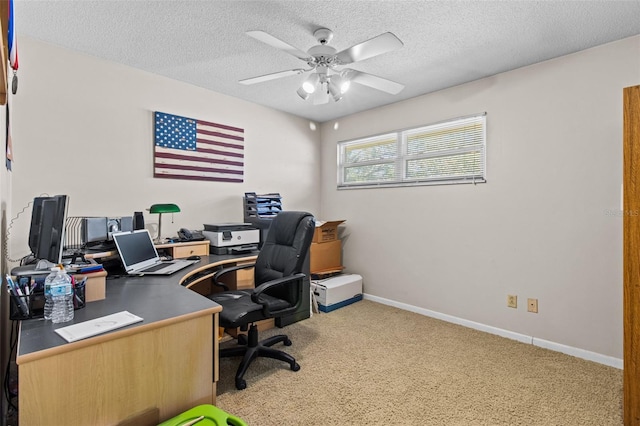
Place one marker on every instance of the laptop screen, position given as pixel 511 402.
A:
pixel 136 249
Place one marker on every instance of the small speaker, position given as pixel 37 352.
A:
pixel 126 223
pixel 94 229
pixel 138 221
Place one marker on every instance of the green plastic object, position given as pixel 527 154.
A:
pixel 204 415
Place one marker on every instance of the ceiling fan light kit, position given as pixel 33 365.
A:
pixel 327 81
pixel 303 93
pixel 338 86
pixel 335 92
pixel 309 86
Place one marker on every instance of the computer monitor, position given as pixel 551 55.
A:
pixel 46 235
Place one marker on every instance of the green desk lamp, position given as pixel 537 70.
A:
pixel 162 208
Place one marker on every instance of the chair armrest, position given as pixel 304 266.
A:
pixel 225 271
pixel 255 294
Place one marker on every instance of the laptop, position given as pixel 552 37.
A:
pixel 139 255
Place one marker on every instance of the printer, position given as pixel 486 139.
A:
pixel 232 238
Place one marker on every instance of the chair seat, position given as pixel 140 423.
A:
pixel 238 309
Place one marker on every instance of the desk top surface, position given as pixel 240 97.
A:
pixel 156 299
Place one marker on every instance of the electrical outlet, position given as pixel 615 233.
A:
pixel 512 301
pixel 532 305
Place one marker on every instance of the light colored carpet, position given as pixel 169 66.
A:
pixel 371 364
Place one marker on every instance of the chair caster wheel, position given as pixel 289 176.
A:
pixel 242 384
pixel 295 367
pixel 287 342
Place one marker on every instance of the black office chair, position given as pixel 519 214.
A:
pixel 278 290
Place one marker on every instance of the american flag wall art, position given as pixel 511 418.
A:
pixel 186 148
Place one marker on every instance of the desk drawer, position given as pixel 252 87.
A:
pixel 190 250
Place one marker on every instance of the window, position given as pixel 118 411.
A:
pixel 452 151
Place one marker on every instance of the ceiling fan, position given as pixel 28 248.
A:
pixel 327 79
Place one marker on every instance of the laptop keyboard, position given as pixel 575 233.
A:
pixel 155 267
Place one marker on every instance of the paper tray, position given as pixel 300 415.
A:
pixel 82 330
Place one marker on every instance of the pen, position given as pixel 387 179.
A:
pixel 192 422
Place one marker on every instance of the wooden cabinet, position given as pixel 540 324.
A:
pixel 141 374
pixel 631 259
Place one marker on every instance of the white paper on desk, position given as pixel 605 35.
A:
pixel 96 326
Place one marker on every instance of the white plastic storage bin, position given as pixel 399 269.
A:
pixel 336 292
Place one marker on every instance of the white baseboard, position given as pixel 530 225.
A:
pixel 580 353
pixel 558 347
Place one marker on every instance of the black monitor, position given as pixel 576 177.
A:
pixel 46 235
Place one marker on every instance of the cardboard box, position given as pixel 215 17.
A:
pixel 326 231
pixel 336 292
pixel 325 256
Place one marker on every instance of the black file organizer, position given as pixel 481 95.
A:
pixel 263 206
pixel 259 210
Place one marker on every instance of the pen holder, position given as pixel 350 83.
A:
pixel 26 306
pixel 32 305
pixel 79 294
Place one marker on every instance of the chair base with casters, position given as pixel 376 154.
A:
pixel 250 348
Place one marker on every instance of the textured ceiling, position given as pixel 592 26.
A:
pixel 446 43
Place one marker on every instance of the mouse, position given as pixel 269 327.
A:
pixel 194 257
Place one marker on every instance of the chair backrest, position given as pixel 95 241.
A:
pixel 284 250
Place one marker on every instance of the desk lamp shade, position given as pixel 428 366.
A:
pixel 162 208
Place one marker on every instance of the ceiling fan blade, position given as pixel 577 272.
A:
pixel 373 81
pixel 279 44
pixel 272 76
pixel 378 45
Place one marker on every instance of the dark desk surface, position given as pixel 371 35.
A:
pixel 152 297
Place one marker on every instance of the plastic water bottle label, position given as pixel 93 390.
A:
pixel 60 290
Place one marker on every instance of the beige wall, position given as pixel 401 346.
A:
pixel 539 228
pixel 83 127
pixel 5 203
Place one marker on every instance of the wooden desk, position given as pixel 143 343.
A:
pixel 199 279
pixel 141 374
pixel 175 250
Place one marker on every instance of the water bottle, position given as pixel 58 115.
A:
pixel 48 301
pixel 58 294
